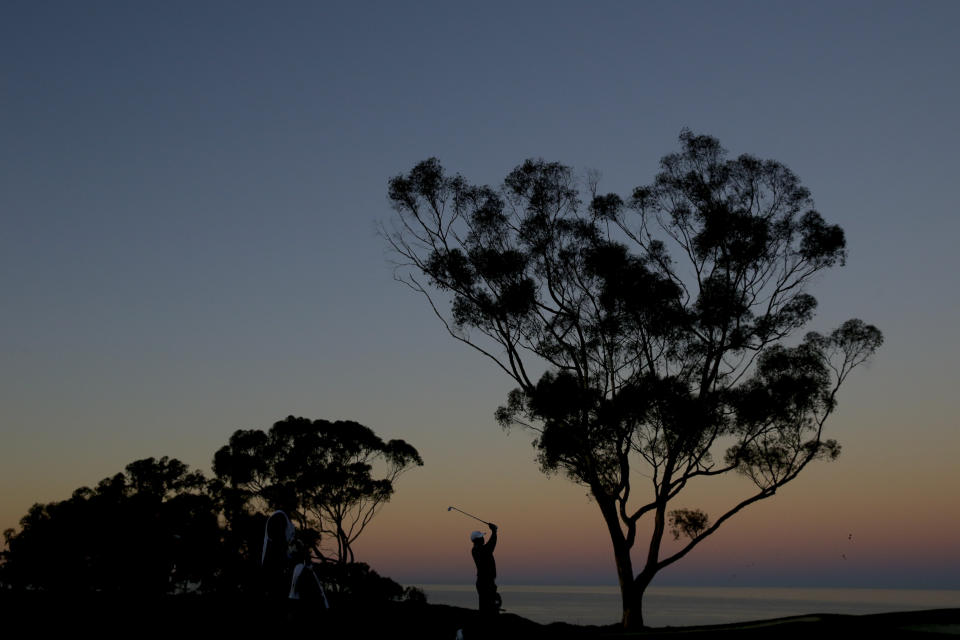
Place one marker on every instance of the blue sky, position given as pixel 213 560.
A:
pixel 188 243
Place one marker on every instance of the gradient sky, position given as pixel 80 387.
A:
pixel 188 210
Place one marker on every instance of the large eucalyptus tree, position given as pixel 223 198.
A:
pixel 667 326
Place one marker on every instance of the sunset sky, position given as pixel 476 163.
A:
pixel 188 212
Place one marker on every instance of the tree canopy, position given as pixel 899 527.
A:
pixel 330 476
pixel 667 326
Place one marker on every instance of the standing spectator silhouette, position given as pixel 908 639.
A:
pixel 486 570
pixel 276 559
pixel 306 588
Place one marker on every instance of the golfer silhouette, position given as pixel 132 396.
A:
pixel 482 552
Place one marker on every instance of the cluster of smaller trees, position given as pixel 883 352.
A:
pixel 158 527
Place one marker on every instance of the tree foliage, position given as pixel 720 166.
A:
pixel 331 476
pixel 667 325
pixel 160 528
pixel 150 529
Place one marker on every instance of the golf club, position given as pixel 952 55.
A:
pixel 467 514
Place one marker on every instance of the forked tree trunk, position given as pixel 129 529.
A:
pixel 631 598
pixel 633 613
pixel 631 588
pixel 630 595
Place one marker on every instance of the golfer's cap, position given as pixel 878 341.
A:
pixel 476 535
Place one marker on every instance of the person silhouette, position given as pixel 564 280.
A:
pixel 306 590
pixel 482 553
pixel 276 559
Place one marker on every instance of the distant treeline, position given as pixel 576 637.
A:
pixel 159 528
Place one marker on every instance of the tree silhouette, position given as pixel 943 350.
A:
pixel 331 477
pixel 666 324
pixel 150 530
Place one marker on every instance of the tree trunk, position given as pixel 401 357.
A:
pixel 629 599
pixel 638 588
pixel 632 588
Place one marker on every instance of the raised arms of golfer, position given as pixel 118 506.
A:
pixel 491 544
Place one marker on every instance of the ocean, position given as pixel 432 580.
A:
pixel 684 606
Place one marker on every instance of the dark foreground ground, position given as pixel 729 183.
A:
pixel 215 617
